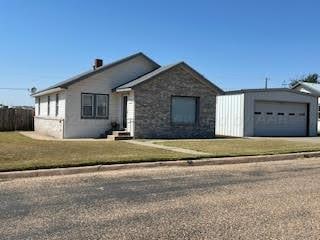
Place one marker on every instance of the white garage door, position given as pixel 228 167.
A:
pixel 280 119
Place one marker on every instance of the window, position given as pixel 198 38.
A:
pixel 319 112
pixel 38 100
pixel 87 105
pixel 291 114
pixel 101 105
pixel 57 104
pixel 48 112
pixel 269 113
pixel 94 105
pixel 184 110
pixel 302 114
pixel 257 113
pixel 281 114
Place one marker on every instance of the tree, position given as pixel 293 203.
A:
pixel 311 78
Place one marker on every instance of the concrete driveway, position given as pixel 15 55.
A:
pixel 275 200
pixel 296 139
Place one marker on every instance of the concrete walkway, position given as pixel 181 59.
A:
pixel 37 136
pixel 174 149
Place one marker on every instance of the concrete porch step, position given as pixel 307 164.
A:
pixel 116 138
pixel 121 133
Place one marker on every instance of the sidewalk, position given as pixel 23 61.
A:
pixel 37 136
pixel 175 149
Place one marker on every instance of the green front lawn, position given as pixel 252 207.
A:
pixel 244 147
pixel 18 152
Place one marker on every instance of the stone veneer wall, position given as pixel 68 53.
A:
pixel 49 127
pixel 153 106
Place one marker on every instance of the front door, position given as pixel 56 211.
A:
pixel 124 111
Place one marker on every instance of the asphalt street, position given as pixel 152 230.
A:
pixel 274 200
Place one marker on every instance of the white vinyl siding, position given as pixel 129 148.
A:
pixel 50 124
pixel 104 82
pixel 184 110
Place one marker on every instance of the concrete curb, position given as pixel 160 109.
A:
pixel 198 162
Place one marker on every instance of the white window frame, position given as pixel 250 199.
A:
pixel 57 104
pixel 39 105
pixel 95 106
pixel 48 106
pixel 82 105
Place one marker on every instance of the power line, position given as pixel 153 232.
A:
pixel 18 89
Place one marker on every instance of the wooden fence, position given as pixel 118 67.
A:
pixel 16 119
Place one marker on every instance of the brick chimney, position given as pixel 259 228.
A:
pixel 97 63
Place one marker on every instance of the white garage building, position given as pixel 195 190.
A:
pixel 266 112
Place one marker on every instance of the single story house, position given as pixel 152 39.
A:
pixel 266 112
pixel 136 94
pixel 312 88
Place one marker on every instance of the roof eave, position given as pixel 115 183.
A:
pixel 122 89
pixel 49 91
pixel 89 73
pixel 244 91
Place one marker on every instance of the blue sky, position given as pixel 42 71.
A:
pixel 235 44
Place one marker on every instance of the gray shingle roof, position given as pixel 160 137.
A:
pixel 89 73
pixel 266 90
pixel 163 69
pixel 146 77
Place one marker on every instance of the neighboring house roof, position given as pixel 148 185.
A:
pixel 148 76
pixel 314 88
pixel 267 90
pixel 87 74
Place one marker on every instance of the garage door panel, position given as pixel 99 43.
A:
pixel 280 119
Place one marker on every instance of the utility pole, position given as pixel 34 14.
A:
pixel 266 83
pixel 284 84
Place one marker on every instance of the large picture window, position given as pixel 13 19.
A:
pixel 94 105
pixel 184 110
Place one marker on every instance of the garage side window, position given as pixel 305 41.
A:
pixel 184 110
pixel 318 112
